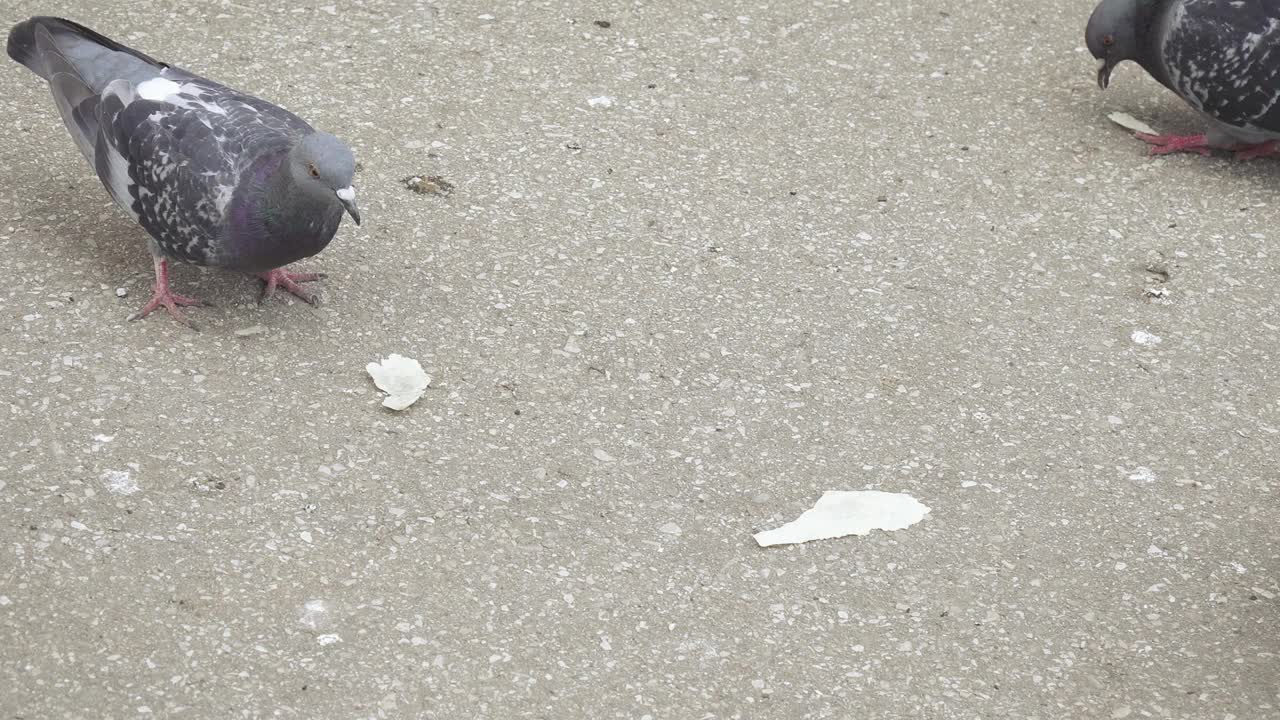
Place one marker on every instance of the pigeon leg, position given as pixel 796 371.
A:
pixel 163 297
pixel 289 281
pixel 1165 144
pixel 1262 149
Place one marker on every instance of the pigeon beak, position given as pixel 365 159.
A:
pixel 347 196
pixel 1104 73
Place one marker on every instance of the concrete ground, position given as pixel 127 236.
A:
pixel 800 247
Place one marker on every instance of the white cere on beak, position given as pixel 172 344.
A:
pixel 347 194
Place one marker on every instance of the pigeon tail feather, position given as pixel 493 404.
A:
pixel 78 106
pixel 94 57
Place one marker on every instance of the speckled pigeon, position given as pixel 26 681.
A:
pixel 216 177
pixel 1221 56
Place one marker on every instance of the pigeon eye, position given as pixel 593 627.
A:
pixel 315 173
pixel 1109 40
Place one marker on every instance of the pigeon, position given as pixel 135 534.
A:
pixel 1220 56
pixel 216 177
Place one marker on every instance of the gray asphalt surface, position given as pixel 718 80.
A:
pixel 807 246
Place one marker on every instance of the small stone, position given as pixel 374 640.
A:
pixel 1143 474
pixel 315 615
pixel 251 330
pixel 670 529
pixel 1142 337
pixel 122 292
pixel 119 482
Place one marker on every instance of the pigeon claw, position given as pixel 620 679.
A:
pixel 288 281
pixel 170 301
pixel 163 297
pixel 1166 144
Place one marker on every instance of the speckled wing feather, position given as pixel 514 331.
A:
pixel 1223 57
pixel 172 151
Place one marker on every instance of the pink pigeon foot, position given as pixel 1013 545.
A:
pixel 289 281
pixel 1165 144
pixel 163 297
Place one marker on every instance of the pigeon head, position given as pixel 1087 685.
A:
pixel 323 165
pixel 1112 34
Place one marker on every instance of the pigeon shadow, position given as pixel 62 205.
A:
pixel 84 227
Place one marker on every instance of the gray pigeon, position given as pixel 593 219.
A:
pixel 1221 56
pixel 216 177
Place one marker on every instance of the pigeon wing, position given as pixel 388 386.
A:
pixel 1223 57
